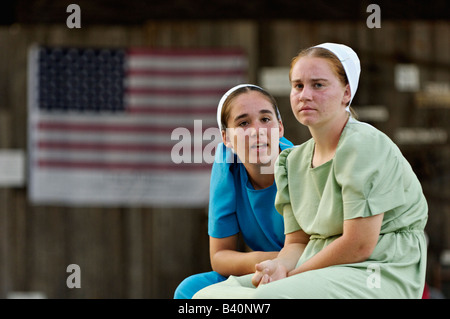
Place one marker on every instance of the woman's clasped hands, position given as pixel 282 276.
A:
pixel 268 271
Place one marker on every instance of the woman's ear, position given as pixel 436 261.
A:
pixel 281 128
pixel 347 95
pixel 226 139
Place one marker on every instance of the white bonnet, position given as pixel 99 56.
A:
pixel 350 62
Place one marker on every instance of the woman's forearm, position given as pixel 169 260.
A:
pixel 232 262
pixel 356 244
pixel 340 251
pixel 290 254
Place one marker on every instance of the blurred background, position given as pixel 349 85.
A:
pixel 57 208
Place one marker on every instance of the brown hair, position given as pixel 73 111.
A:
pixel 332 59
pixel 226 109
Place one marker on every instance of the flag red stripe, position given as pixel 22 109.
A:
pixel 121 166
pixel 176 91
pixel 171 110
pixel 181 73
pixel 81 146
pixel 114 128
pixel 183 53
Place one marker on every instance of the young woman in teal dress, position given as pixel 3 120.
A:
pixel 242 189
pixel 353 209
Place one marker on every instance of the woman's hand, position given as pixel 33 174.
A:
pixel 268 271
pixel 222 250
pixel 271 270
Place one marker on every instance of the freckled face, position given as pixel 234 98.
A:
pixel 253 129
pixel 317 96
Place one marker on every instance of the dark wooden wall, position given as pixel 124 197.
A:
pixel 144 252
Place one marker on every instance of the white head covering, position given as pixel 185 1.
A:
pixel 350 62
pixel 227 94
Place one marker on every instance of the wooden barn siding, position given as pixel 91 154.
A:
pixel 144 252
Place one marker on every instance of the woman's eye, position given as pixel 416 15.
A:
pixel 299 86
pixel 242 124
pixel 265 119
pixel 318 85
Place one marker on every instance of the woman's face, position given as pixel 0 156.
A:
pixel 253 129
pixel 317 95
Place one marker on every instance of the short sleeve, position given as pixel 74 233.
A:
pixel 369 170
pixel 222 220
pixel 282 198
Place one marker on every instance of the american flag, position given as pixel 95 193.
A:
pixel 101 122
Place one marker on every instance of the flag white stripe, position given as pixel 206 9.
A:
pixel 110 156
pixel 185 82
pixel 95 138
pixel 158 120
pixel 185 63
pixel 149 100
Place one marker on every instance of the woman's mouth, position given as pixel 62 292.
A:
pixel 259 146
pixel 306 108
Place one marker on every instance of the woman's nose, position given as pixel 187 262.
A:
pixel 257 129
pixel 305 94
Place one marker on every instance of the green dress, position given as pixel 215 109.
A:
pixel 367 176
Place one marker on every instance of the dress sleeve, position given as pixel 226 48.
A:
pixel 222 220
pixel 282 198
pixel 369 169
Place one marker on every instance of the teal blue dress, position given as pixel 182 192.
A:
pixel 236 207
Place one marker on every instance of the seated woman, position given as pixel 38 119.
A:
pixel 242 189
pixel 354 210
